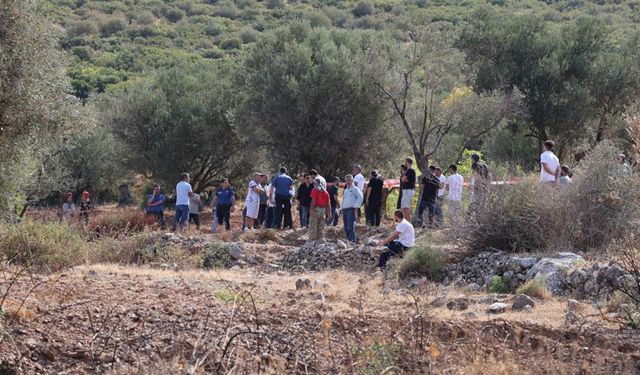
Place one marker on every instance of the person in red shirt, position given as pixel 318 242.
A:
pixel 320 210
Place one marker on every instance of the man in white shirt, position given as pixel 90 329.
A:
pixel 183 193
pixel 401 240
pixel 549 164
pixel 360 183
pixel 455 182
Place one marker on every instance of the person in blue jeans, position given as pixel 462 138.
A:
pixel 351 201
pixel 304 200
pixel 183 193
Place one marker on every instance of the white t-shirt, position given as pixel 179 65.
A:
pixel 552 163
pixel 182 193
pixel 194 204
pixel 407 235
pixel 455 183
pixel 359 182
pixel 443 183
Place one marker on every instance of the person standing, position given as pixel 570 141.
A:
pixel 68 208
pixel 320 209
pixel 549 164
pixel 195 206
pixel 430 186
pixel 264 198
pixel 223 202
pixel 85 207
pixel 281 190
pixel 333 200
pixel 351 202
pixel 480 182
pixel 399 242
pixel 408 186
pixel 565 176
pixel 455 182
pixel 155 206
pixel 252 202
pixel 373 199
pixel 360 183
pixel 304 200
pixel 183 193
pixel 440 197
pixel 403 170
pixel 270 214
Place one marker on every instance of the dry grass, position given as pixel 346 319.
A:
pixel 535 288
pixel 18 309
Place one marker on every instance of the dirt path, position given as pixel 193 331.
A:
pixel 110 319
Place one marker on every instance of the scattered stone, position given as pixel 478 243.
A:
pixel 527 308
pixel 473 287
pixel 458 304
pixel 234 250
pixel 573 305
pixel 341 245
pixel 302 284
pixel 470 315
pixel 439 301
pixel 48 353
pixel 521 301
pixel 497 308
pixel 31 344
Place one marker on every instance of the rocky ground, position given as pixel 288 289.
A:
pixel 282 305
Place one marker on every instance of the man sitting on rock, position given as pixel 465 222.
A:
pixel 401 240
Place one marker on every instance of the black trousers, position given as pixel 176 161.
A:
pixel 196 219
pixel 224 214
pixel 394 248
pixel 283 210
pixel 373 213
pixel 261 215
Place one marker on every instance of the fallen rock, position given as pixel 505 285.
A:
pixel 497 308
pixel 302 284
pixel 554 270
pixel 458 304
pixel 521 301
pixel 341 245
pixel 235 251
pixel 439 301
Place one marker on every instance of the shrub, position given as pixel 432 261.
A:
pixel 111 26
pixel 217 256
pixel 601 206
pixel 145 18
pixel 363 8
pixel 84 53
pixel 276 4
pixel 82 28
pixel 231 43
pixel 48 246
pixel 317 19
pixel 118 223
pixel 213 29
pixel 174 15
pixel 536 287
pixel 498 285
pixel 249 35
pixel 422 260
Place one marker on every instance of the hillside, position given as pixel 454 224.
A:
pixel 114 41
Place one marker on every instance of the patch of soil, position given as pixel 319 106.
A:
pixel 120 322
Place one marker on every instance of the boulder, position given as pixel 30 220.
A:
pixel 235 251
pixel 521 301
pixel 554 270
pixel 439 301
pixel 302 284
pixel 497 308
pixel 458 304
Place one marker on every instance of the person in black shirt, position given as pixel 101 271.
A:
pixel 333 200
pixel 85 207
pixel 374 199
pixel 430 185
pixel 304 200
pixel 403 169
pixel 407 186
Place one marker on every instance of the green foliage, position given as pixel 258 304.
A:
pixel 47 246
pixel 536 287
pixel 177 122
pixel 217 256
pixel 378 357
pixel 302 85
pixel 363 8
pixel 498 285
pixel 423 260
pixel 111 25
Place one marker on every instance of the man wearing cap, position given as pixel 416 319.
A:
pixel 183 193
pixel 252 203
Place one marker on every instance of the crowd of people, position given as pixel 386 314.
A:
pixel 269 201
